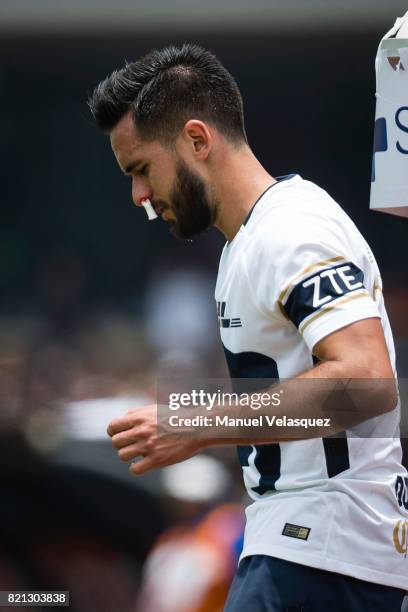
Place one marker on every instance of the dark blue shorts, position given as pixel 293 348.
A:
pixel 268 584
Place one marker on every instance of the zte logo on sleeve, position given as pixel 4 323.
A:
pixel 319 290
pixel 341 281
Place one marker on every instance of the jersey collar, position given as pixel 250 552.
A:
pixel 280 179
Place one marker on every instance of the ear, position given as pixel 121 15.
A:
pixel 198 138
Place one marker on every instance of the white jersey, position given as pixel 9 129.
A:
pixel 297 270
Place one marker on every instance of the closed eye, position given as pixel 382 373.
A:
pixel 132 168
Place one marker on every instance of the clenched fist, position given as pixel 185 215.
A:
pixel 135 435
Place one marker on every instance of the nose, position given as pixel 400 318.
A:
pixel 140 191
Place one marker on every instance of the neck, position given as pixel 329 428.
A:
pixel 238 181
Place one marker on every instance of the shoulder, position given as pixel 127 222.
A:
pixel 299 215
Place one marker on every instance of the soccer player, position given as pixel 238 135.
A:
pixel 297 286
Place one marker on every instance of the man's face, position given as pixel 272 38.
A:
pixel 176 192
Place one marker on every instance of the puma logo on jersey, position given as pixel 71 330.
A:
pixel 320 289
pixel 224 321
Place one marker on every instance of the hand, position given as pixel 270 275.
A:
pixel 135 435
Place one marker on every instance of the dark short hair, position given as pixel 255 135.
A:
pixel 166 88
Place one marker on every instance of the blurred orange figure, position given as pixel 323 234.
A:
pixel 191 567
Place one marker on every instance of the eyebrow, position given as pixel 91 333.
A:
pixel 132 166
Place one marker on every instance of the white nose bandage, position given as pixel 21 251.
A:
pixel 147 205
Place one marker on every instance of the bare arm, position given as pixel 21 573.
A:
pixel 357 351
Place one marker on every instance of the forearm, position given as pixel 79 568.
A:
pixel 352 383
pixel 324 401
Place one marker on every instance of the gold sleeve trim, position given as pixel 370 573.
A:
pixel 323 311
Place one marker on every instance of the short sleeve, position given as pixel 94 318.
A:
pixel 314 274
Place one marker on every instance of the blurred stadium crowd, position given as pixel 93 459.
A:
pixel 98 303
pixel 70 509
